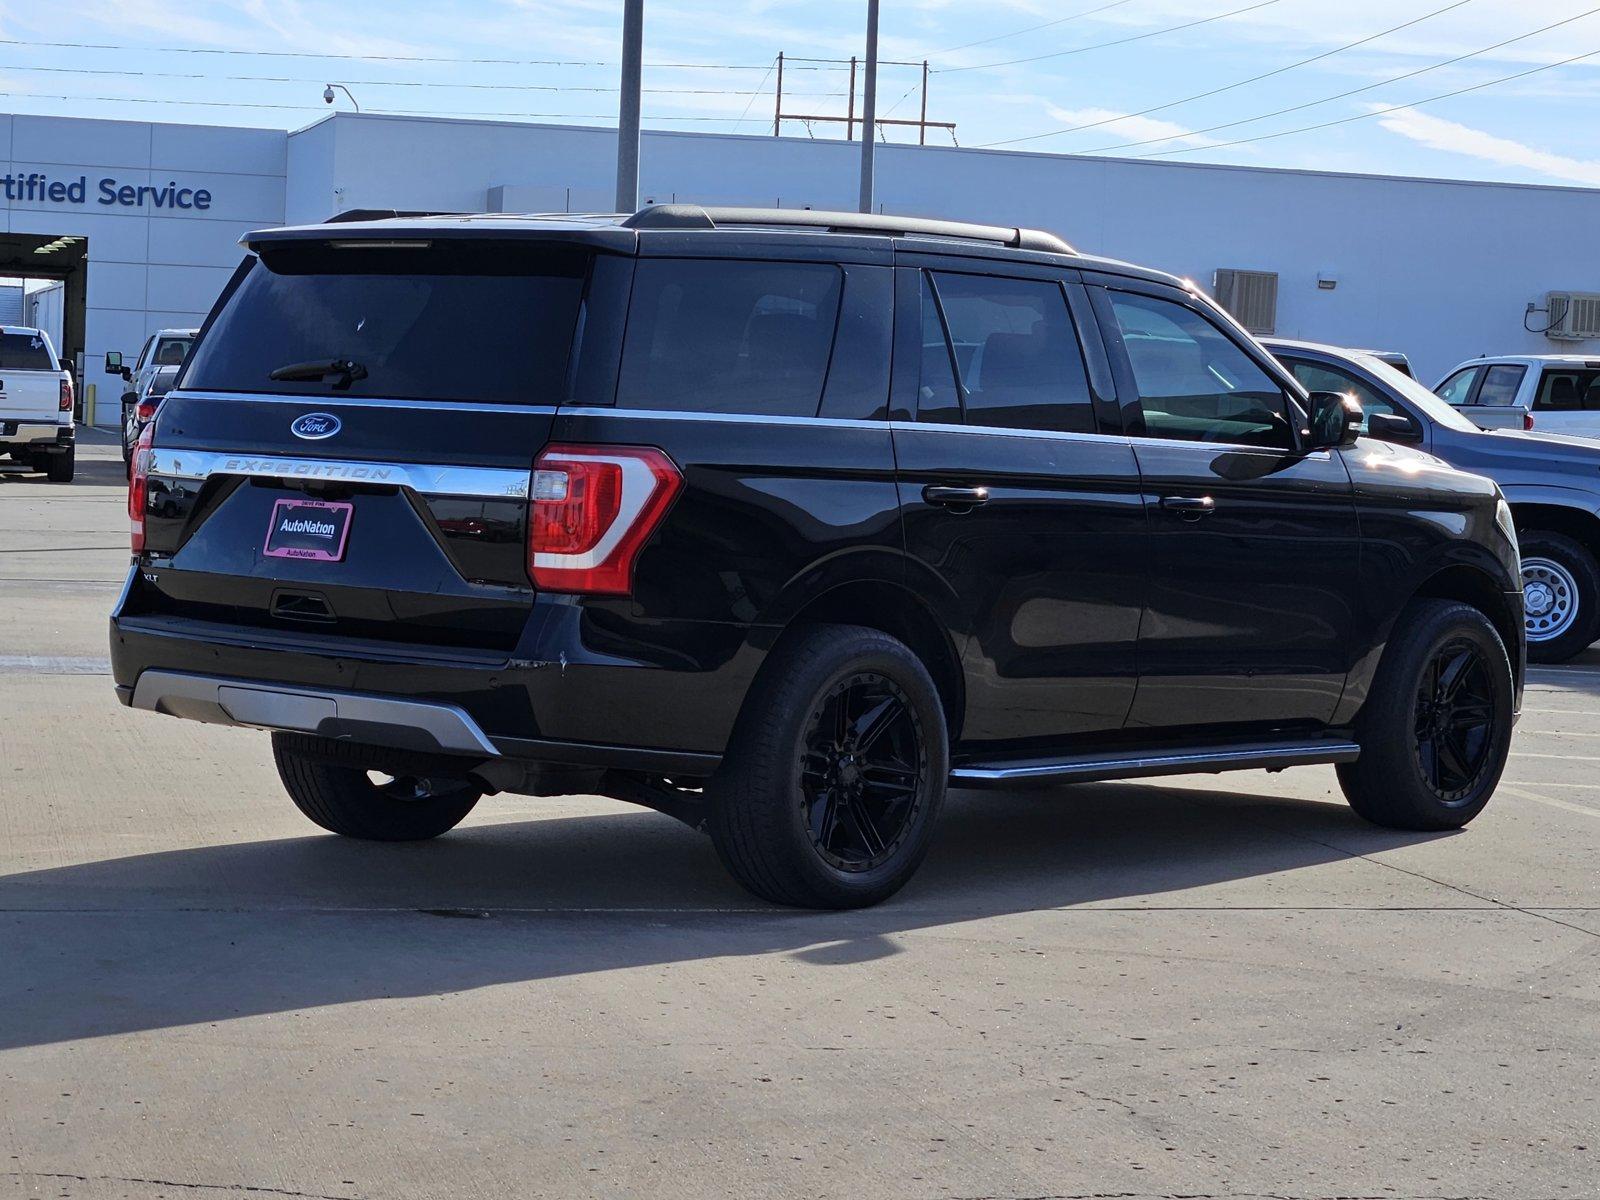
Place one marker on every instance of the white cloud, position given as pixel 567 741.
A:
pixel 1438 134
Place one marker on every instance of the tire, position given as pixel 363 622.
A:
pixel 328 781
pixel 62 467
pixel 1561 595
pixel 1427 765
pixel 807 811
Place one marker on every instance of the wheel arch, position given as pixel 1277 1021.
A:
pixel 897 611
pixel 1579 524
pixel 1471 586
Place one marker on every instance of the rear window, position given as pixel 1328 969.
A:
pixel 728 336
pixel 170 351
pixel 24 352
pixel 452 320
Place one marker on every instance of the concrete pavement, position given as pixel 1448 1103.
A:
pixel 1214 986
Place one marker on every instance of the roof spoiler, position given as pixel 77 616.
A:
pixel 693 216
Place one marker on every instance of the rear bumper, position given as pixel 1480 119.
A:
pixel 35 434
pixel 557 699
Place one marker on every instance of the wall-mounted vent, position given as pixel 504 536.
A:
pixel 1574 316
pixel 1251 296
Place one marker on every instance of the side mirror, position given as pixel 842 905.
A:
pixel 1335 421
pixel 1392 427
pixel 113 362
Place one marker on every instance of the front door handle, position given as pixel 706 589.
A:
pixel 955 497
pixel 1190 508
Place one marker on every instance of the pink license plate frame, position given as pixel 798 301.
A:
pixel 332 552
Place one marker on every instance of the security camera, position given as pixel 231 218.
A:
pixel 327 94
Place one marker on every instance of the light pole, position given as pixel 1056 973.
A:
pixel 628 114
pixel 869 107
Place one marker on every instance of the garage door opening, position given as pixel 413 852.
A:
pixel 43 283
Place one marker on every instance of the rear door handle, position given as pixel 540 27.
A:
pixel 955 497
pixel 1190 508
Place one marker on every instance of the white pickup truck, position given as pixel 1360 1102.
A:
pixel 1548 393
pixel 36 426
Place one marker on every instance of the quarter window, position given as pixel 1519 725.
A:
pixel 1195 383
pixel 726 336
pixel 1017 353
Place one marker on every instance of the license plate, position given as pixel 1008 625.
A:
pixel 314 529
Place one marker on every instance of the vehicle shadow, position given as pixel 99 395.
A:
pixel 213 933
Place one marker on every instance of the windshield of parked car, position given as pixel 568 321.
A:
pixel 1414 393
pixel 24 352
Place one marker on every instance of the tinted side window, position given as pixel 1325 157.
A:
pixel 1320 378
pixel 1458 387
pixel 719 335
pixel 144 353
pixel 1568 390
pixel 1017 350
pixel 1500 384
pixel 1195 384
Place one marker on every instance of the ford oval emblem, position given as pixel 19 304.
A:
pixel 313 426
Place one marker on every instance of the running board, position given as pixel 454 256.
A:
pixel 1271 756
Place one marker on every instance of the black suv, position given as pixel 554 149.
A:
pixel 783 522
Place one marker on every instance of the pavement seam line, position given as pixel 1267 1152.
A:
pixel 214 1187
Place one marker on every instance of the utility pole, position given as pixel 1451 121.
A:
pixel 628 114
pixel 869 107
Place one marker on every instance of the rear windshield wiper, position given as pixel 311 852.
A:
pixel 346 370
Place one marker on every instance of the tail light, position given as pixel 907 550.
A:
pixel 147 409
pixel 139 487
pixel 591 511
pixel 66 394
pixel 1527 421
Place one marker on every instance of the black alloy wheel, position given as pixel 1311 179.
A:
pixel 861 771
pixel 1455 715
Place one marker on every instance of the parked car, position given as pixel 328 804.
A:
pixel 1395 359
pixel 1553 393
pixel 781 522
pixel 163 349
pixel 36 422
pixel 1551 482
pixel 135 417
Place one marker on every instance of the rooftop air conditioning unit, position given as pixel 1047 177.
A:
pixel 1574 316
pixel 1251 296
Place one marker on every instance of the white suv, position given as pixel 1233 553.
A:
pixel 1553 393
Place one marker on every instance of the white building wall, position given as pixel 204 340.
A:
pixel 148 267
pixel 1442 270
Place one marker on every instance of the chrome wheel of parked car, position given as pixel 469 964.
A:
pixel 861 772
pixel 1549 598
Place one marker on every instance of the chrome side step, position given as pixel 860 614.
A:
pixel 1039 772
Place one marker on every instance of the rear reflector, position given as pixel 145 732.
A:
pixel 591 511
pixel 139 487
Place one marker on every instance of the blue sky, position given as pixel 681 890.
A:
pixel 1001 70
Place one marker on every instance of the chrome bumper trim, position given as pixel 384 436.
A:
pixel 404 724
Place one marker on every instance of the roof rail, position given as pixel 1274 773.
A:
pixel 693 216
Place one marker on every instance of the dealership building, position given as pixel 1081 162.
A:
pixel 140 222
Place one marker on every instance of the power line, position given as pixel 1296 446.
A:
pixel 390 112
pixel 1522 37
pixel 418 58
pixel 411 83
pixel 1477 87
pixel 759 87
pixel 1000 37
pixel 1144 112
pixel 1138 37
